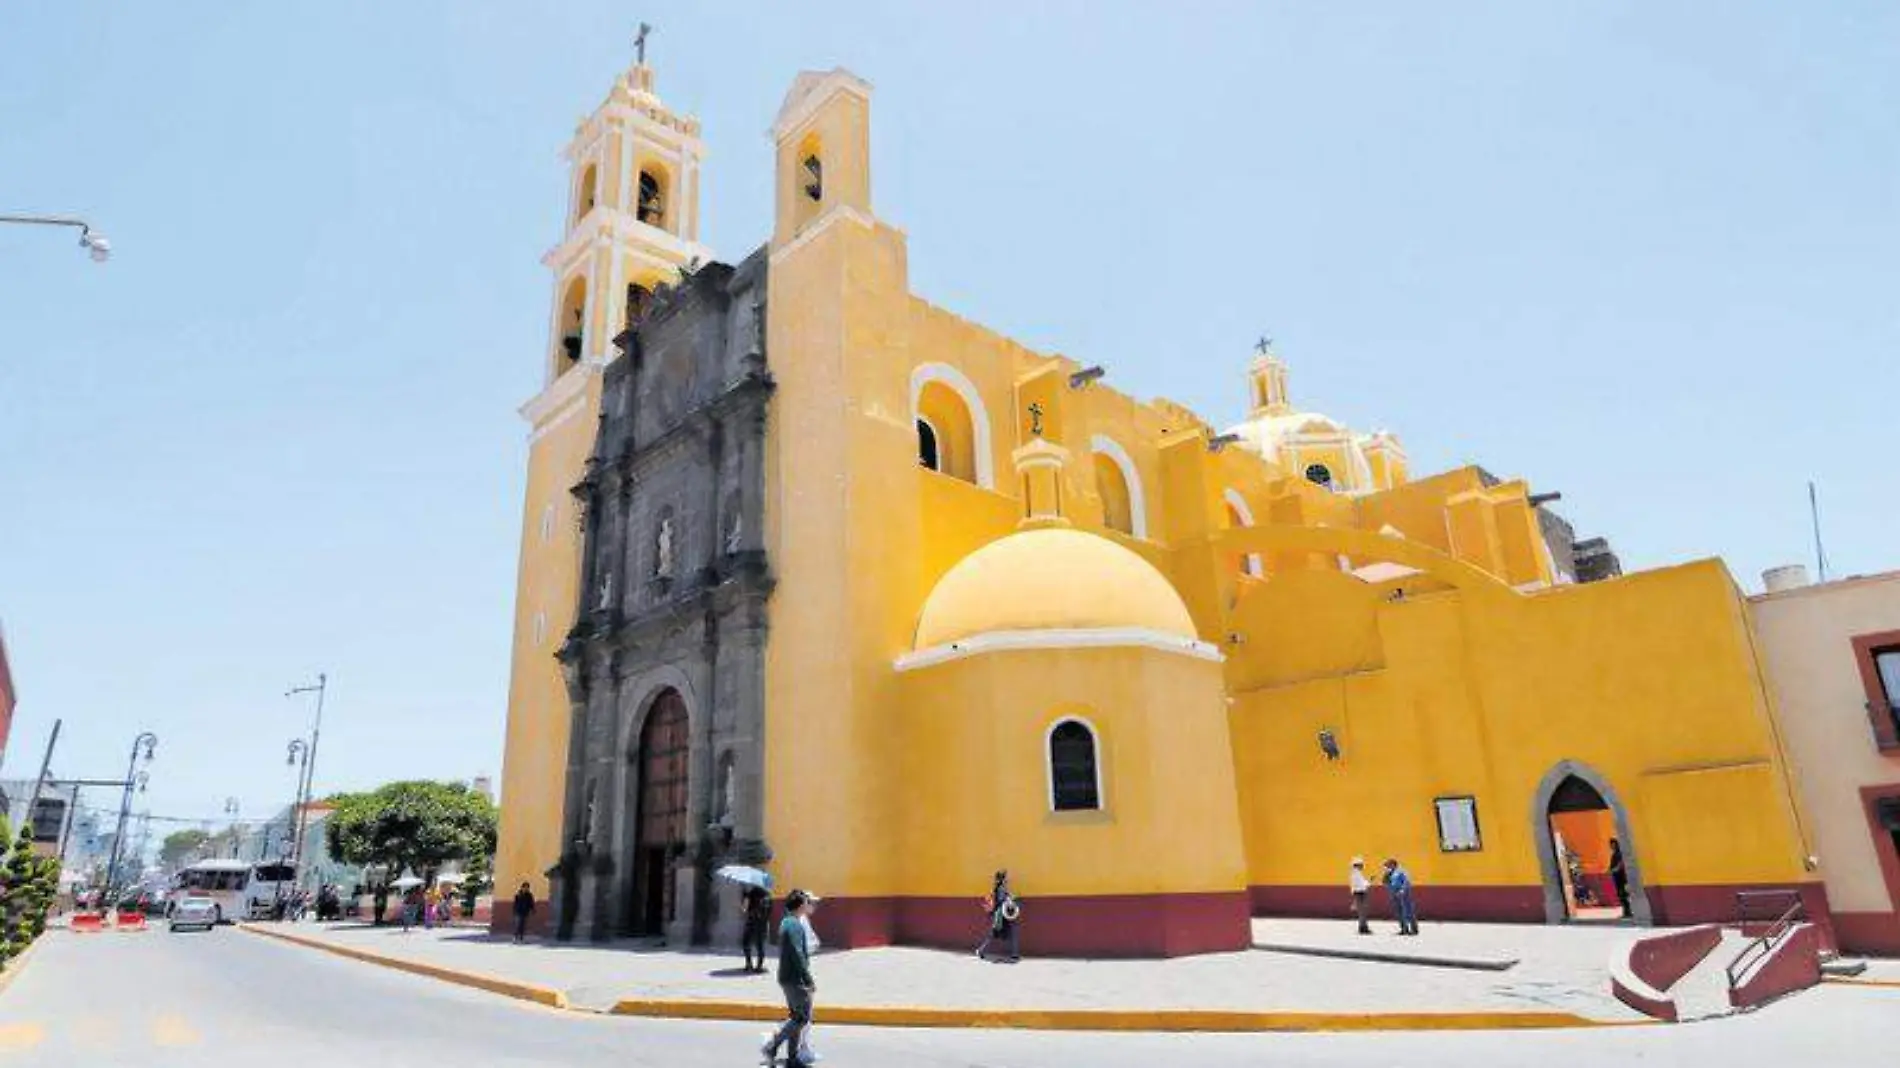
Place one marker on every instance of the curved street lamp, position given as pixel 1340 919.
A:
pixel 134 779
pixel 93 242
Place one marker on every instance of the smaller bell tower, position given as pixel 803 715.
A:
pixel 823 134
pixel 1266 382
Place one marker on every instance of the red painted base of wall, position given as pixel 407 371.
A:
pixel 1670 906
pixel 1869 934
pixel 1684 905
pixel 1497 904
pixel 1109 925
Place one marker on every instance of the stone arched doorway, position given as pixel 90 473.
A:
pixel 1575 815
pixel 661 767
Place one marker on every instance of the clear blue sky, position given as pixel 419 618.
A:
pixel 1642 253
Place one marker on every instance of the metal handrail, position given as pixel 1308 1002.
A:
pixel 1762 946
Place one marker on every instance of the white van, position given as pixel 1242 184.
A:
pixel 238 889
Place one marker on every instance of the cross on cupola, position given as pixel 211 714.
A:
pixel 640 44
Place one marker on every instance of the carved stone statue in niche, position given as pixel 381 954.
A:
pixel 735 532
pixel 663 549
pixel 606 592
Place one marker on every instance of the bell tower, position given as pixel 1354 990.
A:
pixel 632 218
pixel 630 223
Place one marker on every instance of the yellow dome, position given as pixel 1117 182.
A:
pixel 1050 579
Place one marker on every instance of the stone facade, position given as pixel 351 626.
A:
pixel 672 613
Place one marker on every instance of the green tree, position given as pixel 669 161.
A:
pixel 22 892
pixel 180 846
pixel 416 825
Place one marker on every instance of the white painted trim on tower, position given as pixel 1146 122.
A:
pixel 820 225
pixel 960 384
pixel 1058 638
pixel 832 82
pixel 1104 445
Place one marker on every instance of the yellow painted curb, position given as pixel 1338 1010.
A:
pixel 1845 980
pixel 1114 1019
pixel 540 995
pixel 1013 1019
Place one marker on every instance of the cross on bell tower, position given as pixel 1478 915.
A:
pixel 640 44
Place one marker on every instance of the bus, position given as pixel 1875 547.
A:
pixel 239 889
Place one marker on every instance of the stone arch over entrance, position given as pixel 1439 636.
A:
pixel 1552 874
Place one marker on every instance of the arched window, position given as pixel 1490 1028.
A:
pixel 1319 475
pixel 571 326
pixel 586 193
pixel 1118 484
pixel 1113 489
pixel 638 297
pixel 927 454
pixel 1075 777
pixel 945 399
pixel 651 208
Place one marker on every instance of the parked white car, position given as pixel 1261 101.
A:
pixel 199 912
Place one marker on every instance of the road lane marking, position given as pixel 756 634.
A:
pixel 174 1031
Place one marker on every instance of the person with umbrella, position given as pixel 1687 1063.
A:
pixel 755 894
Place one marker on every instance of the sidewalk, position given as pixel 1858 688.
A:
pixel 1561 981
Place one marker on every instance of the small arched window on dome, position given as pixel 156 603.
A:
pixel 1319 475
pixel 927 452
pixel 1075 776
pixel 587 193
pixel 651 208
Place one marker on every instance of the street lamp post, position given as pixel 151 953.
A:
pixel 309 770
pixel 133 778
pixel 297 755
pixel 94 243
pixel 231 812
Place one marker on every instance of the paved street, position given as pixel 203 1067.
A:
pixel 159 1000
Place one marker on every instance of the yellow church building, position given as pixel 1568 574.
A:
pixel 819 576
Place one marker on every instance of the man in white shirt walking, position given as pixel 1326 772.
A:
pixel 1361 889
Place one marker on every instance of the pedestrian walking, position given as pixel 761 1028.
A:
pixel 1398 883
pixel 758 913
pixel 524 908
pixel 379 904
pixel 1005 913
pixel 411 905
pixel 795 978
pixel 430 902
pixel 1620 876
pixel 1361 890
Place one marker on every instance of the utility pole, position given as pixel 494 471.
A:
pixel 1814 514
pixel 309 770
pixel 45 763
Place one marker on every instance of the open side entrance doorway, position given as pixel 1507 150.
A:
pixel 1585 850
